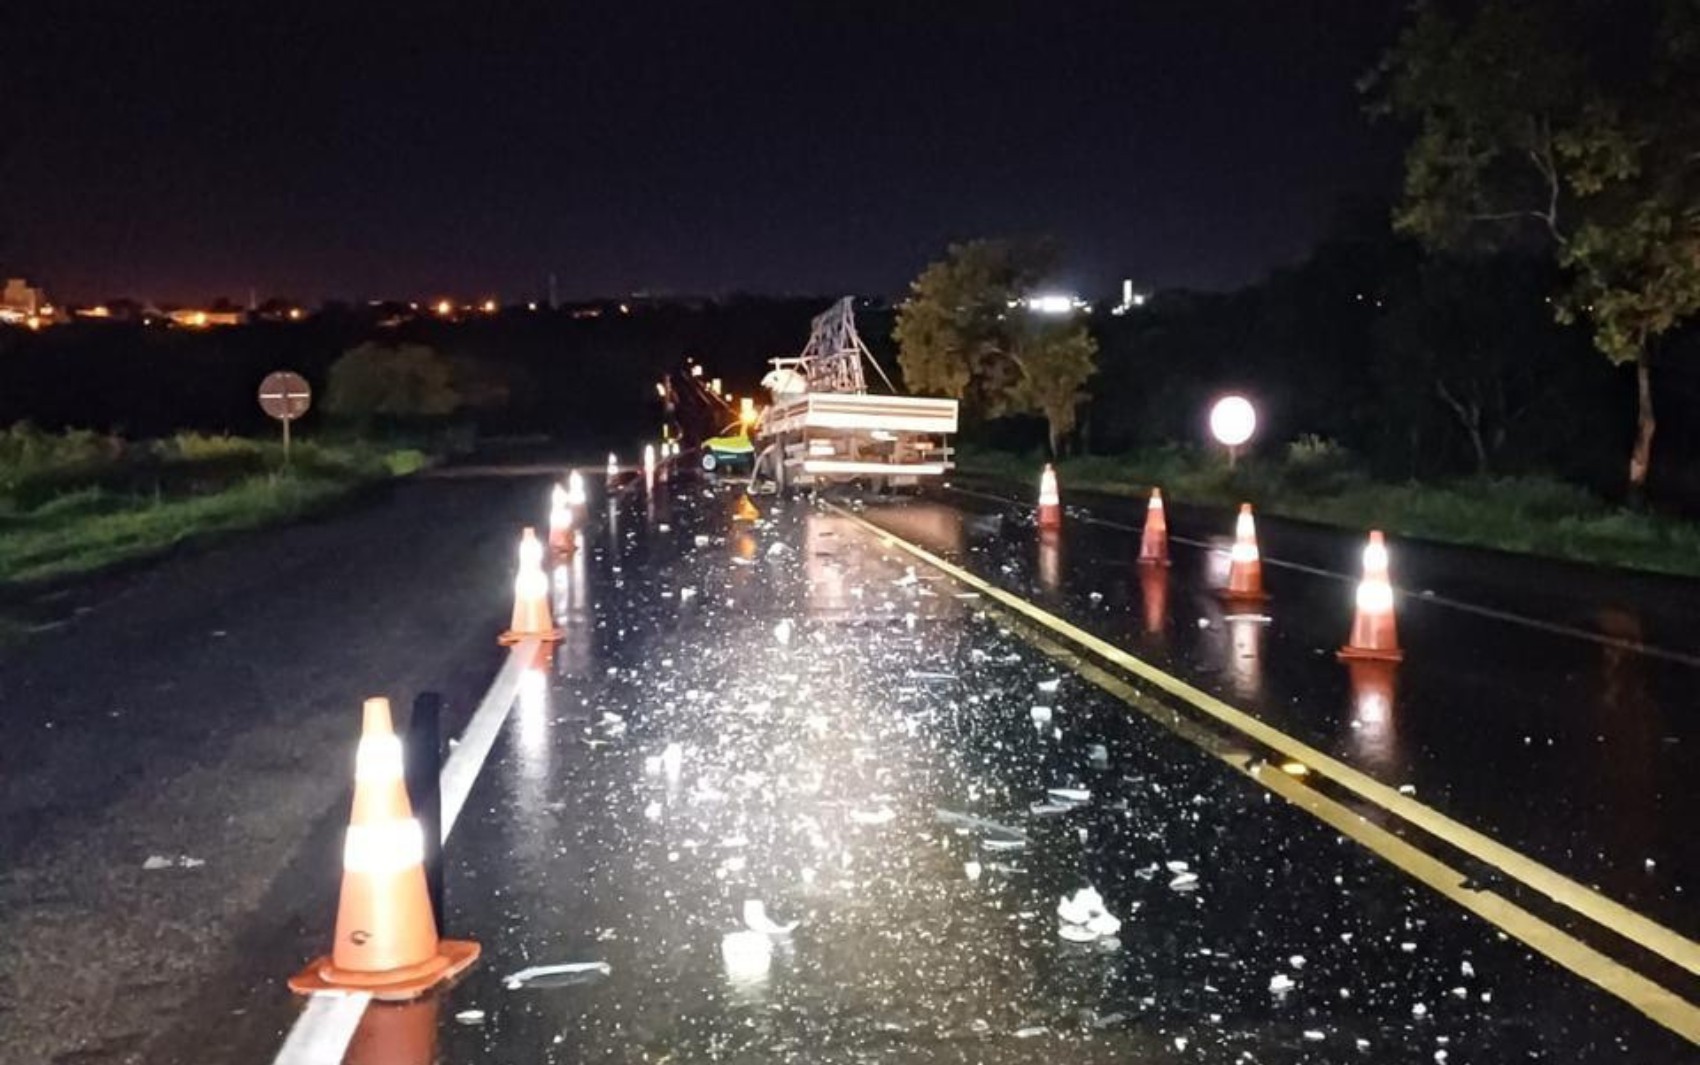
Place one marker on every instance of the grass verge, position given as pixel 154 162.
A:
pixel 73 503
pixel 1528 515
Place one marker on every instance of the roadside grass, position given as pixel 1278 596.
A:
pixel 77 502
pixel 1313 482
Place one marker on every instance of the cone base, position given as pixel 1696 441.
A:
pixel 511 637
pixel 453 957
pixel 1369 654
pixel 1242 598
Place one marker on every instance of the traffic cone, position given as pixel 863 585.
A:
pixel 531 619
pixel 746 510
pixel 1374 633
pixel 560 520
pixel 1050 506
pixel 1154 594
pixel 1154 542
pixel 1245 569
pixel 386 938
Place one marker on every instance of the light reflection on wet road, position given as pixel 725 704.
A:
pixel 786 712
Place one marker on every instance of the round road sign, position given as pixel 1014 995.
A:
pixel 285 396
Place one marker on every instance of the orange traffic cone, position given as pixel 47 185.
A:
pixel 1050 505
pixel 1374 634
pixel 1154 593
pixel 386 939
pixel 746 510
pixel 532 619
pixel 1245 569
pixel 560 521
pixel 1154 542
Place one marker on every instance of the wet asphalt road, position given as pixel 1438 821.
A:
pixel 202 711
pixel 857 750
pixel 1578 752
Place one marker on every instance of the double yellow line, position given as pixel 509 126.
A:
pixel 1656 1001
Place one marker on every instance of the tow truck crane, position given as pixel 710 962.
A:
pixel 824 426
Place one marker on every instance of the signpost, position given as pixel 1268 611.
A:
pixel 284 395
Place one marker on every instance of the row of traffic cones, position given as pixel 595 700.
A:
pixel 1374 631
pixel 386 942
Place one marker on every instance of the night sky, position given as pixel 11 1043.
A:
pixel 191 150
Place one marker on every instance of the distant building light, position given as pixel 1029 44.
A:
pixel 625 308
pixel 531 306
pixel 1131 299
pixel 445 308
pixel 295 314
pixel 1051 304
pixel 489 306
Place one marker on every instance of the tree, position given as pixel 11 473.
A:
pixel 1473 337
pixel 1573 126
pixel 377 380
pixel 964 333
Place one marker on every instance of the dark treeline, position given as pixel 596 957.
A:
pixel 580 379
pixel 1420 365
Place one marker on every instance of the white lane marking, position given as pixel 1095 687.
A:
pixel 467 759
pixel 321 1034
pixel 1510 617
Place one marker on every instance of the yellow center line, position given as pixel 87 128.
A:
pixel 1625 922
pixel 1653 1000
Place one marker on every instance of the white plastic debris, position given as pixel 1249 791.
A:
pixel 1083 918
pixel 1041 715
pixel 1297 961
pixel 971 870
pixel 757 920
pixel 1049 687
pixel 1098 755
pixel 470 1017
pixel 562 975
pixel 747 956
pixel 652 811
pixel 1280 984
pixel 885 815
pixel 1177 867
pixel 672 759
pixel 1070 796
pixel 782 631
pixel 1184 882
pixel 156 862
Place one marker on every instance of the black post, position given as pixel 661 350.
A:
pixel 424 767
